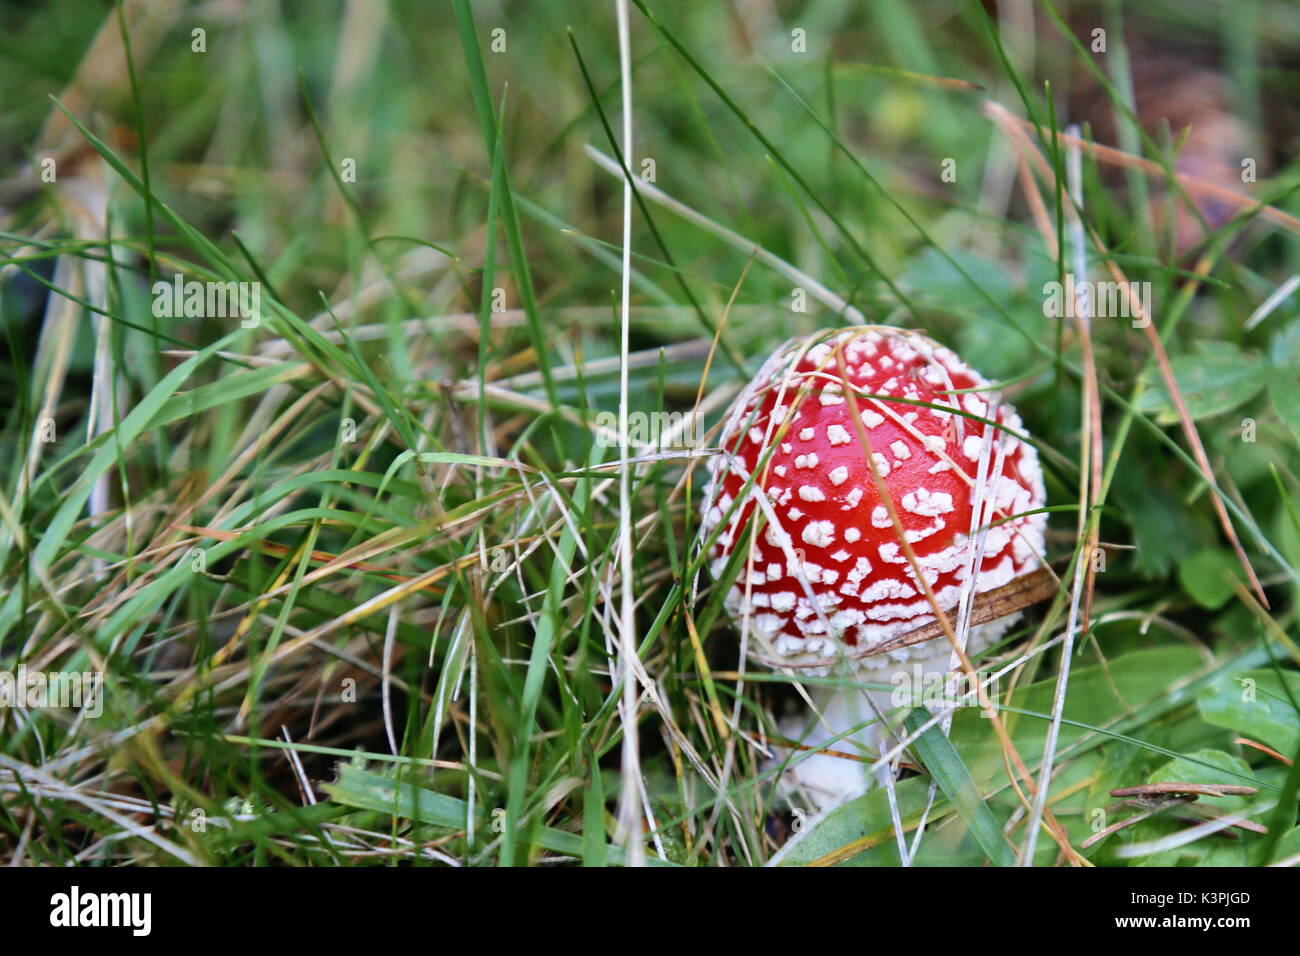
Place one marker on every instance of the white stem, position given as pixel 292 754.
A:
pixel 828 779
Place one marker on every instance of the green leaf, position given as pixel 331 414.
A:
pixel 1212 850
pixel 1122 764
pixel 229 388
pixel 1217 377
pixel 860 825
pixel 365 790
pixel 1284 391
pixel 1207 577
pixel 1098 697
pixel 945 765
pixel 1149 682
pixel 1161 530
pixel 1256 705
pixel 1288 846
pixel 1284 350
pixel 1275 844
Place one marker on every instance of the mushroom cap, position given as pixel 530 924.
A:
pixel 826 577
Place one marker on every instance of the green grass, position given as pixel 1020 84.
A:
pixel 352 576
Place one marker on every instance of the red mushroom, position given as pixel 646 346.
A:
pixel 825 579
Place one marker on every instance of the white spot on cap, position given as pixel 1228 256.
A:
pixel 852 498
pixel 795 514
pixel 861 568
pixel 839 475
pixel 843 620
pixel 840 555
pixel 880 517
pixel 852 534
pixel 819 533
pixel 889 553
pixel 880 463
pixel 915 535
pixel 806 461
pixel 886 589
pixel 776 537
pixel 783 601
pixel 928 503
pixel 837 435
pixel 819 353
pixel 872 419
pixel 900 450
pixel 811 493
pixel 807 433
pixel 971 446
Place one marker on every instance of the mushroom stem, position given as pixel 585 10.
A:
pixel 839 773
pixel 829 779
